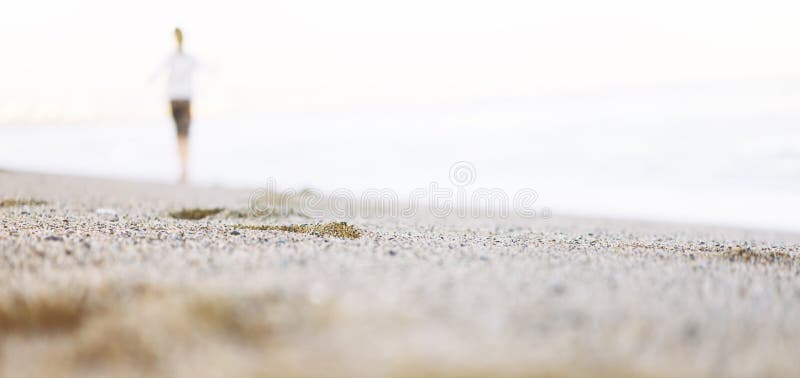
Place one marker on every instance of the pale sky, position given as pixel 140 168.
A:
pixel 91 59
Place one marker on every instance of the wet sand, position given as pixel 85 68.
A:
pixel 102 280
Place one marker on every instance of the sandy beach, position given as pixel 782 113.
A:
pixel 99 278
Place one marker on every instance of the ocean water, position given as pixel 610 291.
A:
pixel 717 155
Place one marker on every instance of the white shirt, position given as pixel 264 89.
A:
pixel 181 68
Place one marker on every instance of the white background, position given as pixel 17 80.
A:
pixel 677 110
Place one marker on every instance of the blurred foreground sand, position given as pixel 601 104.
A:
pixel 135 292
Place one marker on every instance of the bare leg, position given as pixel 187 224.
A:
pixel 181 113
pixel 183 152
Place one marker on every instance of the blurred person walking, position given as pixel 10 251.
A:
pixel 181 67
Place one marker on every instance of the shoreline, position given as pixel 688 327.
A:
pixel 573 216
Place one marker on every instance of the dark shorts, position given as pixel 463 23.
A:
pixel 182 114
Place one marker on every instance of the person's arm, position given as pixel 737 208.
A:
pixel 158 70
